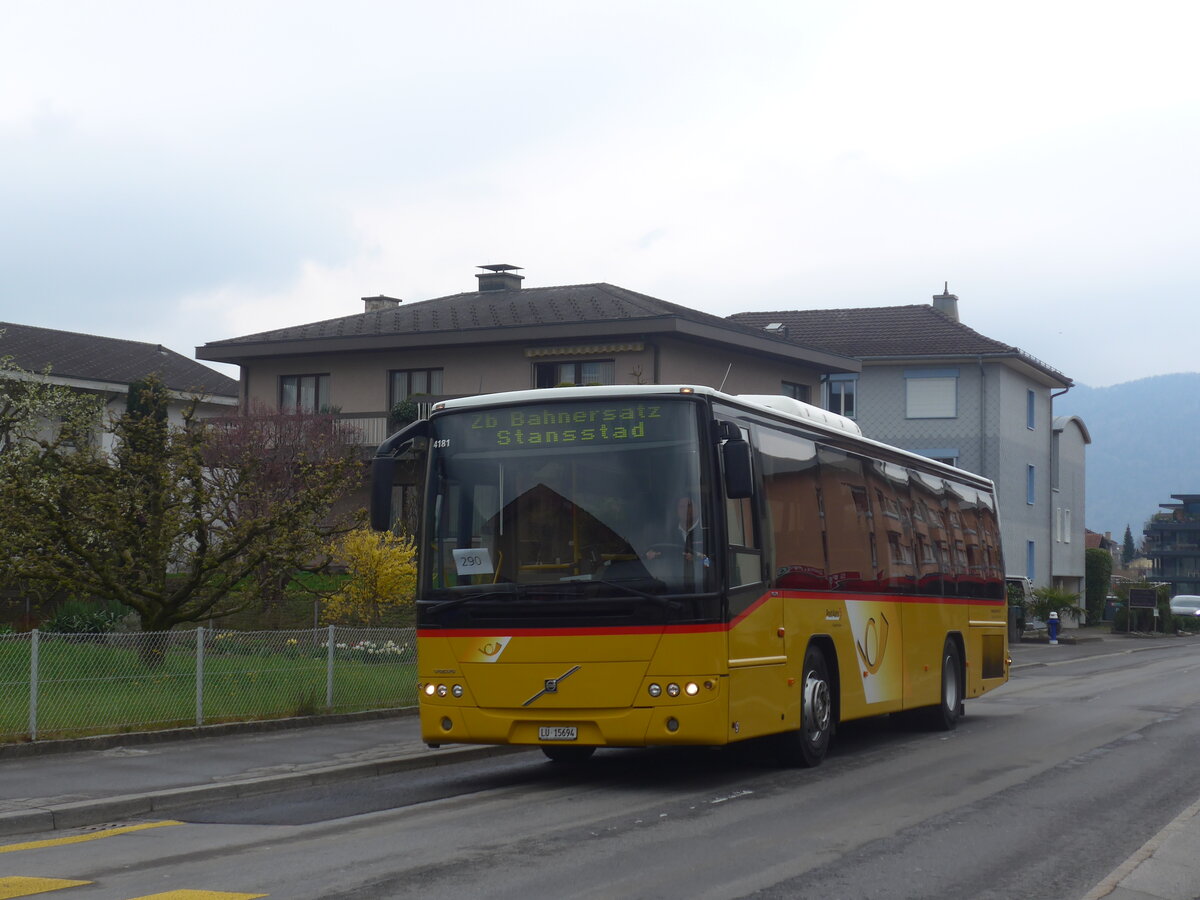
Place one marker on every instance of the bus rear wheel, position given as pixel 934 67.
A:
pixel 560 754
pixel 807 745
pixel 945 715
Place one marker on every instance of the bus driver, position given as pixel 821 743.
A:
pixel 685 544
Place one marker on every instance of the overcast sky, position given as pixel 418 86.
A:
pixel 182 172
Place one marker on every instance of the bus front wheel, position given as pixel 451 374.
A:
pixel 806 746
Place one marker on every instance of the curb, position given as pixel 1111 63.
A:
pixel 96 812
pixel 18 750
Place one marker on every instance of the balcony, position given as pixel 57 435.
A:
pixel 1173 551
pixel 1168 522
pixel 366 429
pixel 370 428
pixel 1183 575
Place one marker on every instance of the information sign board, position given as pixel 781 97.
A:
pixel 1143 598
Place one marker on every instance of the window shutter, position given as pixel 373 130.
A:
pixel 932 398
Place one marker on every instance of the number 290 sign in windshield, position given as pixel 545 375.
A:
pixel 568 423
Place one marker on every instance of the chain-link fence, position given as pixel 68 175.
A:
pixel 67 685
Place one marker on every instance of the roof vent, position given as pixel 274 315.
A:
pixel 375 304
pixel 778 329
pixel 946 303
pixel 500 277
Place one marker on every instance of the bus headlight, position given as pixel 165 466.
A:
pixel 442 690
pixel 672 690
pixel 691 689
pixel 430 689
pixel 457 690
pixel 655 690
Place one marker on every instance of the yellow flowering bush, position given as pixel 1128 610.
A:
pixel 382 570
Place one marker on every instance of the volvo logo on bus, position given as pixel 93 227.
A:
pixel 550 685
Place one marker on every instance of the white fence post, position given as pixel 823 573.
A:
pixel 33 685
pixel 329 672
pixel 200 675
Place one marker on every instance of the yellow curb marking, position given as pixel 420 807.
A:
pixel 200 895
pixel 16 886
pixel 80 838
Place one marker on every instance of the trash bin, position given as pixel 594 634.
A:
pixel 1016 616
pixel 1052 628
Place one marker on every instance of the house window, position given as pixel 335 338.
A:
pixel 554 374
pixel 1030 560
pixel 947 455
pixel 1030 410
pixel 841 394
pixel 796 391
pixel 931 393
pixel 1055 460
pixel 1030 485
pixel 304 393
pixel 405 383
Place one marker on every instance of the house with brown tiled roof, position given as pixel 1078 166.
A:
pixel 107 366
pixel 504 336
pixel 933 385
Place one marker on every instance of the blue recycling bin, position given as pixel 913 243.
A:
pixel 1052 627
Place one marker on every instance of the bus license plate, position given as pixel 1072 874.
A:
pixel 558 733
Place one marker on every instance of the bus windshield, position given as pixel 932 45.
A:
pixel 567 492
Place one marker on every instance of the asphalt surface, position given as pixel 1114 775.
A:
pixel 56 785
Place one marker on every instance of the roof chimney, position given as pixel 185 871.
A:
pixel 500 277
pixel 375 304
pixel 946 302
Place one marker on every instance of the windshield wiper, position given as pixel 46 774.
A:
pixel 486 595
pixel 656 598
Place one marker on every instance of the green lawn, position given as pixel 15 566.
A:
pixel 86 687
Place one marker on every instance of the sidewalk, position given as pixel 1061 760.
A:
pixel 74 784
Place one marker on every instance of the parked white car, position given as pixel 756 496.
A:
pixel 1185 605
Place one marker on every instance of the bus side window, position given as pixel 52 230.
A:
pixel 794 511
pixel 741 523
pixel 893 527
pixel 850 544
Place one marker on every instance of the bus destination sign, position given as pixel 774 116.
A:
pixel 572 423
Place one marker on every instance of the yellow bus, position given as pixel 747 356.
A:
pixel 628 566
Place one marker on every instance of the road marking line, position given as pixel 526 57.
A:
pixel 200 895
pixel 80 838
pixel 16 886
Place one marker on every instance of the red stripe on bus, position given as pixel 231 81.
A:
pixel 893 598
pixel 577 630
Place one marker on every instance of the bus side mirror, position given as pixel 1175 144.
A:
pixel 383 472
pixel 735 458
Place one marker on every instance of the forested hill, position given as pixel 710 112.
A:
pixel 1145 447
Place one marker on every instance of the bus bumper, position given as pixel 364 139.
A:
pixel 698 723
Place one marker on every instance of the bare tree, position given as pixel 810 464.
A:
pixel 181 523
